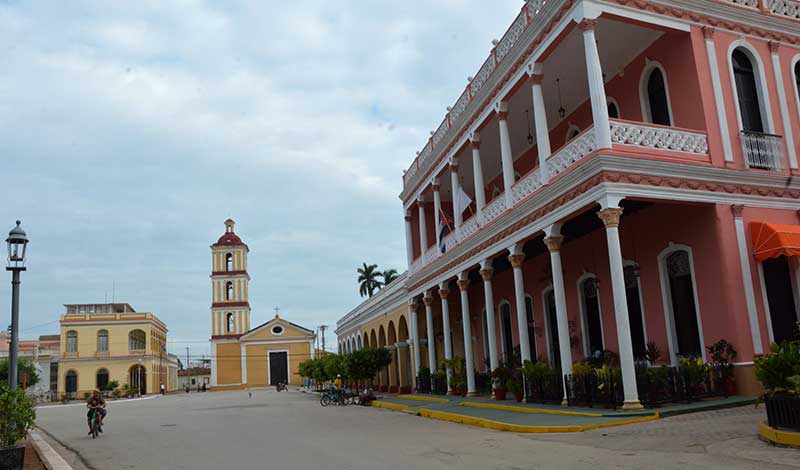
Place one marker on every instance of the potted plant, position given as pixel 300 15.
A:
pixel 500 378
pixel 722 356
pixel 779 374
pixel 458 375
pixel 17 417
pixel 514 385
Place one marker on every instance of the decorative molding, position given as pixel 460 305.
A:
pixel 516 260
pixel 737 210
pixel 610 216
pixel 487 273
pixel 554 243
pixel 463 284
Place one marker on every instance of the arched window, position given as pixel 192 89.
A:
pixel 590 300
pixel 507 331
pixel 486 339
pixel 228 262
pixel 613 109
pixel 229 323
pixel 72 341
pixel 71 383
pixel 744 74
pixel 549 300
pixel 102 379
pixel 102 341
pixel 657 98
pixel 531 327
pixel 137 340
pixel 229 290
pixel 682 303
pixel 635 315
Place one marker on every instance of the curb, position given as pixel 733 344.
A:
pixel 522 409
pixel 775 436
pixel 51 459
pixel 423 398
pixel 389 406
pixel 710 407
pixel 521 428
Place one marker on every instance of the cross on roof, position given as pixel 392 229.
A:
pixel 277 309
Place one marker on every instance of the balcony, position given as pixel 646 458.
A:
pixel 625 134
pixel 136 352
pixel 101 353
pixel 70 355
pixel 763 151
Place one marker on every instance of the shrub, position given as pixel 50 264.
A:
pixel 17 416
pixel 112 385
pixel 534 371
pixel 652 353
pixel 24 368
pixel 779 371
pixel 722 356
pixel 116 393
pixel 458 373
pixel 581 369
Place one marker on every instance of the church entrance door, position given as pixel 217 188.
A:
pixel 278 367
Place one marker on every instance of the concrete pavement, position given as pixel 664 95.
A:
pixel 231 430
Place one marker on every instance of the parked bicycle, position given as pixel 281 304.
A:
pixel 333 396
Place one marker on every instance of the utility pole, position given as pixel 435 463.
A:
pixel 188 369
pixel 322 328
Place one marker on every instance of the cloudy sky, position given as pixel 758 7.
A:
pixel 129 131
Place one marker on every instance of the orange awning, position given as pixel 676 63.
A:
pixel 773 240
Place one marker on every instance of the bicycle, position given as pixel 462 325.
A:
pixel 329 396
pixel 95 420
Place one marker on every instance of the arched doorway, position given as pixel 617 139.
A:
pixel 552 328
pixel 680 299
pixel 137 378
pixel 506 332
pixel 655 99
pixel 71 384
pixel 744 73
pixel 780 299
pixel 405 352
pixel 531 327
pixel 101 379
pixel 633 295
pixel 590 306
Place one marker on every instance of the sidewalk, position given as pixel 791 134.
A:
pixel 535 418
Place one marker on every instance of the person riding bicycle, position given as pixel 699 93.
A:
pixel 338 382
pixel 96 402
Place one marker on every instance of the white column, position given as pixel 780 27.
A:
pixel 610 215
pixel 784 104
pixel 409 240
pixel 412 314
pixel 423 229
pixel 506 157
pixel 488 295
pixel 553 242
pixel 477 172
pixel 747 279
pixel 597 91
pixel 448 348
pixel 437 211
pixel 428 300
pixel 542 131
pixel 516 258
pixel 244 364
pixel 463 286
pixel 719 101
pixel 457 215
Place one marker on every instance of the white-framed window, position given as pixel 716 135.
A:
pixel 654 95
pixel 681 306
pixel 229 290
pixel 228 262
pixel 72 341
pixel 137 340
pixel 102 341
pixel 229 322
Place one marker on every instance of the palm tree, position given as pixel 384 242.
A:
pixel 368 279
pixel 388 276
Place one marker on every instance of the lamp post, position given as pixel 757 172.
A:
pixel 17 243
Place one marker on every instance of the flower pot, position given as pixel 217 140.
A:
pixel 499 394
pixel 783 411
pixel 12 458
pixel 518 396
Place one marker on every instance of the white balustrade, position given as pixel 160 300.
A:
pixel 663 138
pixel 790 8
pixel 745 3
pixel 763 151
pixel 492 210
pixel 439 134
pixel 569 154
pixel 527 185
pixel 510 38
pixel 469 227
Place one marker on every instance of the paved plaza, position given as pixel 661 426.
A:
pixel 234 430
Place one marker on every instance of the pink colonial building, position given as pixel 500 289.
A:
pixel 628 161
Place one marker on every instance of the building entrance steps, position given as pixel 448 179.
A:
pixel 524 417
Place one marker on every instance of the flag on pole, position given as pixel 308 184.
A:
pixel 462 201
pixel 444 229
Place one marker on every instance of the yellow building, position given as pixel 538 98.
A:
pixel 104 342
pixel 244 357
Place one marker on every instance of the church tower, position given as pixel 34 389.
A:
pixel 230 308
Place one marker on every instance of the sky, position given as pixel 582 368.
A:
pixel 129 131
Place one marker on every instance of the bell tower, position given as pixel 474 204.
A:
pixel 230 308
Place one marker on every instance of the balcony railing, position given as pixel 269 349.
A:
pixel 658 137
pixel 744 3
pixel 101 353
pixel 70 354
pixel 790 8
pixel 136 352
pixel 763 151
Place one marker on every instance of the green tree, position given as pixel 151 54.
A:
pixel 368 279
pixel 24 367
pixel 365 363
pixel 388 276
pixel 17 416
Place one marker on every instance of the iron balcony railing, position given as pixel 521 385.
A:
pixel 763 151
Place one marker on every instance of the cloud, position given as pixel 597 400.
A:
pixel 131 131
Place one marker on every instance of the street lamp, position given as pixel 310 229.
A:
pixel 17 242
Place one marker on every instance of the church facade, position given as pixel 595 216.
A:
pixel 245 357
